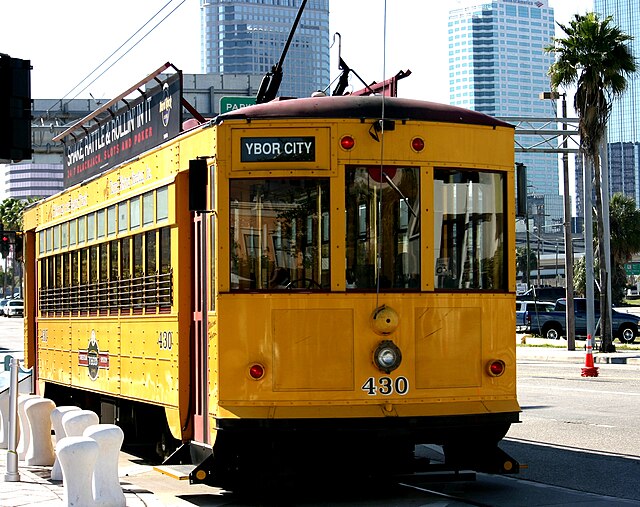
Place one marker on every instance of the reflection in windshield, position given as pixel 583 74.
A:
pixel 279 234
pixel 383 223
pixel 469 225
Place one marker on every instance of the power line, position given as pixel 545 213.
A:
pixel 118 49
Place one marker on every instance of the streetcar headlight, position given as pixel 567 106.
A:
pixel 495 367
pixel 387 356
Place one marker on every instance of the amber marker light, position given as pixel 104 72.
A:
pixel 347 142
pixel 495 367
pixel 256 371
pixel 417 143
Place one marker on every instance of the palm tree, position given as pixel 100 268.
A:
pixel 595 57
pixel 624 219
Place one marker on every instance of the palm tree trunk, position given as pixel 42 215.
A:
pixel 606 343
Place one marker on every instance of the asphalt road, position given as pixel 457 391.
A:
pixel 579 432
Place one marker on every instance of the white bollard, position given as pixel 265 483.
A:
pixel 23 439
pixel 76 421
pixel 107 491
pixel 40 450
pixel 58 428
pixel 77 457
pixel 12 474
pixel 4 420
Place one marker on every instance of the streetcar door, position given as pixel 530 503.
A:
pixel 199 359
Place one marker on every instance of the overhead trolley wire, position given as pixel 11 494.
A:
pixel 118 49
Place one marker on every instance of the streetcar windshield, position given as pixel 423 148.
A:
pixel 469 226
pixel 279 231
pixel 383 227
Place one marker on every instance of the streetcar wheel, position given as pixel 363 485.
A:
pixel 627 333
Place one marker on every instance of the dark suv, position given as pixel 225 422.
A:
pixel 543 294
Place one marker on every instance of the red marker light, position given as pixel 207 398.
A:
pixel 347 142
pixel 256 371
pixel 496 368
pixel 417 143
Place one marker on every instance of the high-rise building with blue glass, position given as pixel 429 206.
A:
pixel 248 37
pixel 498 66
pixel 623 128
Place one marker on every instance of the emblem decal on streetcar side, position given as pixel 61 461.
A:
pixel 92 358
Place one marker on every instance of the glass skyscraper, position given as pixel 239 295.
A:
pixel 498 66
pixel 623 129
pixel 248 37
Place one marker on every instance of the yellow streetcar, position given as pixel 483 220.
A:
pixel 303 281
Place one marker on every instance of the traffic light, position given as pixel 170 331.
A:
pixel 15 108
pixel 6 240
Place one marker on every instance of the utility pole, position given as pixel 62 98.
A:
pixel 568 244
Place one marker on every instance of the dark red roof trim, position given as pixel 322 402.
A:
pixel 362 107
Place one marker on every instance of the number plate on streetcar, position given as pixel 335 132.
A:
pixel 386 386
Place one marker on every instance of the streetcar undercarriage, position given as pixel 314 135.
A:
pixel 354 447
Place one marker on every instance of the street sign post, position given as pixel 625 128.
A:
pixel 233 103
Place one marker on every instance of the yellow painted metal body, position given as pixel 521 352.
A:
pixel 316 348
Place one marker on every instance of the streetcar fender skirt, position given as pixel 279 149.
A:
pixel 192 460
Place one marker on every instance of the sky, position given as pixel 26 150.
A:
pixel 66 40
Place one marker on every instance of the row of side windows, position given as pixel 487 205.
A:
pixel 119 276
pixel 129 215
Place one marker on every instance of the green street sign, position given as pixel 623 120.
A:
pixel 632 268
pixel 234 103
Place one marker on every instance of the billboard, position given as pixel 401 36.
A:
pixel 144 122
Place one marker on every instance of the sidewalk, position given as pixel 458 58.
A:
pixel 541 349
pixel 142 487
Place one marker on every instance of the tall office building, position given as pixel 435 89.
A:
pixel 248 37
pixel 498 66
pixel 623 130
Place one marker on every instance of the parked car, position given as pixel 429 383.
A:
pixel 528 310
pixel 14 308
pixel 553 324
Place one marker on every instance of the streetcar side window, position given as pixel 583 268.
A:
pixel 383 223
pixel 278 238
pixel 469 227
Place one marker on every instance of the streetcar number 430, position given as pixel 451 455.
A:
pixel 386 386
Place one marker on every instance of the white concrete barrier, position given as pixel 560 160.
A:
pixel 77 457
pixel 38 414
pixel 58 428
pixel 76 421
pixel 107 491
pixel 23 432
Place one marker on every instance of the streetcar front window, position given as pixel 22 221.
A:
pixel 469 226
pixel 383 228
pixel 279 234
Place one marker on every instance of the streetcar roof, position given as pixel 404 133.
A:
pixel 350 106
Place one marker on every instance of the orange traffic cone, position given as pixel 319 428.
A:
pixel 589 369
